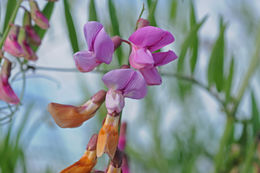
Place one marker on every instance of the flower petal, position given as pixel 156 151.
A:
pixel 91 29
pixel 114 101
pixel 136 87
pixel 151 76
pixel 141 58
pixel 85 61
pixel 162 58
pixel 103 47
pixel 6 92
pixel 151 37
pixel 117 79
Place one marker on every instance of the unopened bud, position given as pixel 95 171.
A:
pixel 6 92
pixel 68 116
pixel 116 163
pixel 11 44
pixel 27 18
pixel 33 37
pixel 92 144
pixel 117 41
pixel 37 15
pixel 125 66
pixel 142 23
pixel 28 53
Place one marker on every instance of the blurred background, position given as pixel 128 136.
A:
pixel 179 126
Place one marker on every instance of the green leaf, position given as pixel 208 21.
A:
pixel 229 80
pixel 47 12
pixel 9 9
pixel 192 35
pixel 152 7
pixel 216 62
pixel 255 115
pixel 173 10
pixel 193 19
pixel 115 28
pixel 71 27
pixel 92 11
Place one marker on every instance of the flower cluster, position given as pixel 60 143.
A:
pixel 125 82
pixel 18 43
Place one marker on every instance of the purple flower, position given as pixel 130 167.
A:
pixel 123 83
pixel 100 48
pixel 145 41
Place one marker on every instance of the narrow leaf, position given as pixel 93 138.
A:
pixel 173 10
pixel 229 80
pixel 9 10
pixel 92 11
pixel 152 4
pixel 193 20
pixel 71 27
pixel 216 62
pixel 187 43
pixel 255 115
pixel 115 28
pixel 47 12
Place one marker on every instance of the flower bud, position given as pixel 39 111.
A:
pixel 37 16
pixel 142 23
pixel 68 116
pixel 6 92
pixel 11 44
pixel 108 136
pixel 33 37
pixel 114 101
pixel 125 167
pixel 125 66
pixel 116 163
pixel 117 41
pixel 28 53
pixel 87 161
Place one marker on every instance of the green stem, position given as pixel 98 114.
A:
pixel 251 69
pixel 10 21
pixel 220 156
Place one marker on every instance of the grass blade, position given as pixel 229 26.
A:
pixel 115 28
pixel 47 12
pixel 92 11
pixel 71 27
pixel 9 9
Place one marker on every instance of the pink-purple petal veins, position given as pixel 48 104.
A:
pixel 151 76
pixel 136 87
pixel 91 29
pixel 162 58
pixel 117 79
pixel 151 37
pixel 128 81
pixel 141 58
pixel 103 47
pixel 85 61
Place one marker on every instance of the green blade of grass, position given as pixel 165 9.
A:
pixel 9 10
pixel 47 12
pixel 71 28
pixel 92 11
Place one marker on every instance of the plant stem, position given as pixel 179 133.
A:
pixel 251 69
pixel 18 3
pixel 10 21
pixel 223 144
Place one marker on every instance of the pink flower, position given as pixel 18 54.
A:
pixel 145 41
pixel 37 16
pixel 11 44
pixel 33 37
pixel 100 48
pixel 6 92
pixel 123 83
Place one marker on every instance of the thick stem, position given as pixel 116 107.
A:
pixel 220 156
